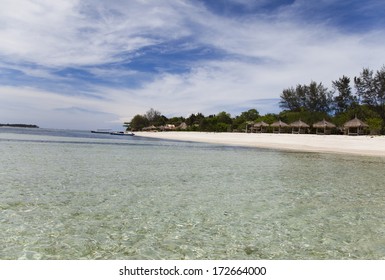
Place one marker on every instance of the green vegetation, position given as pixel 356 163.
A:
pixel 19 125
pixel 310 103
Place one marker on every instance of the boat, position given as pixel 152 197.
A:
pixel 122 133
pixel 101 131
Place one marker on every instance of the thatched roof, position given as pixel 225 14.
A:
pixel 261 124
pixel 183 125
pixel 152 127
pixel 355 123
pixel 279 124
pixel 324 124
pixel 299 124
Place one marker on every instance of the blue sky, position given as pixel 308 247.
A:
pixel 88 64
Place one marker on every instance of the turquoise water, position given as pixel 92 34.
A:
pixel 77 195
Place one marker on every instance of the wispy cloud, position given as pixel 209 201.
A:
pixel 124 57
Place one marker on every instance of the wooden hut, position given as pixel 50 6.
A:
pixel 354 127
pixel 150 128
pixel 182 126
pixel 299 127
pixel 279 126
pixel 260 127
pixel 323 127
pixel 249 124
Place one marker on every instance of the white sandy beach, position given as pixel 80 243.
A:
pixel 359 145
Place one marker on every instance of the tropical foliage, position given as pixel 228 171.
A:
pixel 309 103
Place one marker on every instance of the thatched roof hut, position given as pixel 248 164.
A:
pixel 182 126
pixel 260 126
pixel 298 127
pixel 262 123
pixel 150 128
pixel 278 126
pixel 249 124
pixel 325 125
pixel 355 127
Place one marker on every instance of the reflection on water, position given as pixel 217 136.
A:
pixel 72 197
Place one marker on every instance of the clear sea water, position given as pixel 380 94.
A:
pixel 77 195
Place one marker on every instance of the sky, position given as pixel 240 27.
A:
pixel 92 64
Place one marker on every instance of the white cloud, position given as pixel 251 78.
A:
pixel 261 55
pixel 76 32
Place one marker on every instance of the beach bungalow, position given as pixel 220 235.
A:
pixel 182 126
pixel 299 127
pixel 150 128
pixel 323 127
pixel 279 126
pixel 168 127
pixel 260 127
pixel 250 125
pixel 354 127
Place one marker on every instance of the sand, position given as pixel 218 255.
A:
pixel 358 145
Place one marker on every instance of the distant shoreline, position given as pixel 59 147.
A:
pixel 337 144
pixel 19 125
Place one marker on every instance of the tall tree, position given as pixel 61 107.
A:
pixel 318 98
pixel 250 115
pixel 194 119
pixel 138 122
pixel 290 100
pixel 224 117
pixel 345 98
pixel 155 117
pixel 313 97
pixel 365 87
pixel 379 84
pixel 371 88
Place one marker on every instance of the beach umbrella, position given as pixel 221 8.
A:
pixel 323 124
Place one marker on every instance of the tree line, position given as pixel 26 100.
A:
pixel 221 122
pixel 365 99
pixel 19 125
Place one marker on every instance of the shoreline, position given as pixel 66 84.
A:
pixel 338 144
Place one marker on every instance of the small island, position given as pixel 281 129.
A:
pixel 19 125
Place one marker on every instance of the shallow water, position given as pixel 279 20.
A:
pixel 77 195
